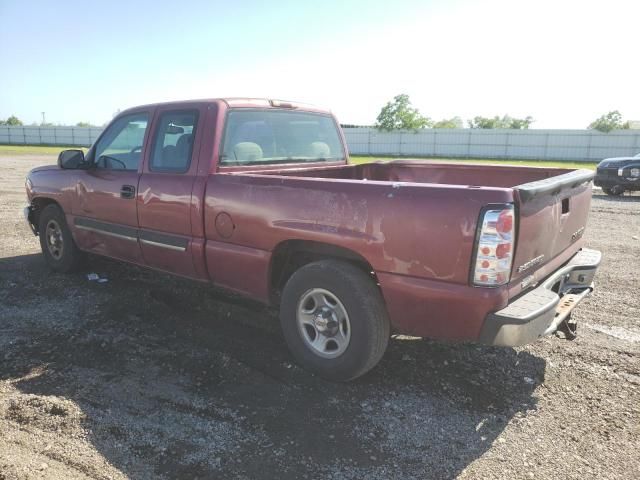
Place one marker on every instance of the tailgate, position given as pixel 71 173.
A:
pixel 552 216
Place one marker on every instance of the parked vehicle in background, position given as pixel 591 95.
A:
pixel 258 197
pixel 618 175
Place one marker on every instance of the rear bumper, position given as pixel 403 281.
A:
pixel 541 311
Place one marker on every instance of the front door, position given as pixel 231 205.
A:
pixel 105 211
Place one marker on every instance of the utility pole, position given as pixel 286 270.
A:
pixel 43 122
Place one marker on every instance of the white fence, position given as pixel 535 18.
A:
pixel 463 142
pixel 478 143
pixel 80 136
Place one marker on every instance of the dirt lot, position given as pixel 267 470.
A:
pixel 148 376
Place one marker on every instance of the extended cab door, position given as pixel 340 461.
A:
pixel 168 235
pixel 105 211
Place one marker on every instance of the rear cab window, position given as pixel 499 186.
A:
pixel 256 137
pixel 173 142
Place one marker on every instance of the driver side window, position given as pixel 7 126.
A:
pixel 120 148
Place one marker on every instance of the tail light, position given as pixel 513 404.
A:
pixel 495 247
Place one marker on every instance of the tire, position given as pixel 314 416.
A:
pixel 614 191
pixel 58 248
pixel 339 306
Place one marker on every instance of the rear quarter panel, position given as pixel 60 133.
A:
pixel 404 228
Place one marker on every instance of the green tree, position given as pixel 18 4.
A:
pixel 505 122
pixel 484 122
pixel 398 114
pixel 11 121
pixel 455 122
pixel 519 123
pixel 83 124
pixel 609 121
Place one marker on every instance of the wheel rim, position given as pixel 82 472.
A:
pixel 55 243
pixel 324 323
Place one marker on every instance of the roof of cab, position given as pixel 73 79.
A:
pixel 242 102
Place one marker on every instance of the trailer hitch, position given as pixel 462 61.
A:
pixel 568 329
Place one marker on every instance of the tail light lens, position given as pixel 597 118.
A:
pixel 495 247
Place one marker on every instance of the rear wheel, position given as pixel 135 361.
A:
pixel 615 190
pixel 334 320
pixel 58 248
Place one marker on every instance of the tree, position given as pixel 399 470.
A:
pixel 520 123
pixel 83 124
pixel 12 121
pixel 400 115
pixel 505 122
pixel 455 122
pixel 609 121
pixel 484 122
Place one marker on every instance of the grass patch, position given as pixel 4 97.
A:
pixel 6 150
pixel 522 163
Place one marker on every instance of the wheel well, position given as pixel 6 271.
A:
pixel 290 255
pixel 39 205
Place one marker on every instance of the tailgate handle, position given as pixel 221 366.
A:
pixel 565 206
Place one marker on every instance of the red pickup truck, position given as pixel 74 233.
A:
pixel 258 197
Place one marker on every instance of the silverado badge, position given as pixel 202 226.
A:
pixel 530 263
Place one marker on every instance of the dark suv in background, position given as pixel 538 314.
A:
pixel 619 175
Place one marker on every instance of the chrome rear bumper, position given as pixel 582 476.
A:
pixel 541 311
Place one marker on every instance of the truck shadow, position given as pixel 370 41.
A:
pixel 176 381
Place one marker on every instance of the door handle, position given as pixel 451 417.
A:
pixel 128 191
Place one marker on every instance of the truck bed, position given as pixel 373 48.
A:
pixel 427 198
pixel 412 171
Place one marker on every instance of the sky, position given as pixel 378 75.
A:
pixel 563 62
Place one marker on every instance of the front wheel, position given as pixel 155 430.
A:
pixel 615 191
pixel 334 320
pixel 58 248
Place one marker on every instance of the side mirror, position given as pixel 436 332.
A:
pixel 70 159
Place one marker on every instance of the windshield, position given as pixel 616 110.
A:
pixel 279 136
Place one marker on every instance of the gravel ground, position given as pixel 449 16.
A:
pixel 148 376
